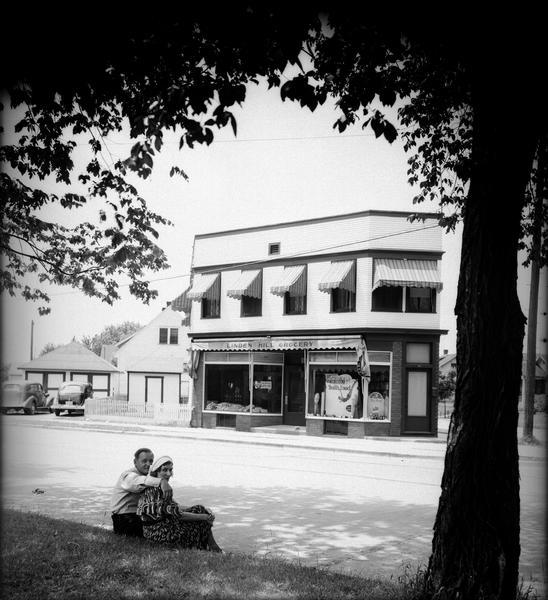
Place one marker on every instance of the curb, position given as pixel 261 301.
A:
pixel 287 441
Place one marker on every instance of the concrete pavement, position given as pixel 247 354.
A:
pixel 289 436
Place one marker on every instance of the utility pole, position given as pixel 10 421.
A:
pixel 31 340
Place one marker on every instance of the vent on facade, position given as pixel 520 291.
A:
pixel 274 248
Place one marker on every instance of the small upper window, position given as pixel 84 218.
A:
pixel 274 248
pixel 163 335
pixel 173 335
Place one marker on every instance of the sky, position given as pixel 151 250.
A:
pixel 285 164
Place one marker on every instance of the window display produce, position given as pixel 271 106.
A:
pixel 227 388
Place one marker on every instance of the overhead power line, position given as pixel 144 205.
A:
pixel 276 258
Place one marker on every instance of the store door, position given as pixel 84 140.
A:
pixel 294 392
pixel 418 405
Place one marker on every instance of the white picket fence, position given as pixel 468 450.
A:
pixel 109 409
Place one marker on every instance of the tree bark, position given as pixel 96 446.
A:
pixel 475 548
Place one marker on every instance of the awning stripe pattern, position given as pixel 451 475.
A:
pixel 341 274
pixel 182 302
pixel 248 284
pixel 411 273
pixel 205 285
pixel 293 280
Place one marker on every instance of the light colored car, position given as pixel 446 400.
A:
pixel 71 397
pixel 23 395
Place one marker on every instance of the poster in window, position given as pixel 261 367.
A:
pixel 341 396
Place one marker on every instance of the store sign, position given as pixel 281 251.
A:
pixel 263 344
pixel 341 396
pixel 263 385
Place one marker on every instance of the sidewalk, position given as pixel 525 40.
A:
pixel 412 447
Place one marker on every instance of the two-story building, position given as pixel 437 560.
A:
pixel 330 323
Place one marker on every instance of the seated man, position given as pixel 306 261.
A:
pixel 127 490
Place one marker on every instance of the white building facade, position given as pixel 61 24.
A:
pixel 330 323
pixel 153 360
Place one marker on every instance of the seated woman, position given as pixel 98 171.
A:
pixel 167 522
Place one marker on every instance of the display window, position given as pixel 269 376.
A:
pixel 267 389
pixel 337 391
pixel 227 388
pixel 378 393
pixel 254 386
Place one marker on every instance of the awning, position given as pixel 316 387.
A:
pixel 248 284
pixel 205 286
pixel 182 303
pixel 341 274
pixel 411 273
pixel 292 280
pixel 263 344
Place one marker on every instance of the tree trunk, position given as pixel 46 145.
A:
pixel 529 387
pixel 475 549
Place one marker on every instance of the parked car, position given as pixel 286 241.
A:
pixel 71 397
pixel 23 395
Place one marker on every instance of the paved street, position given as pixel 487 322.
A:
pixel 354 512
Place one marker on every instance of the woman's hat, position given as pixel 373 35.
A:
pixel 159 462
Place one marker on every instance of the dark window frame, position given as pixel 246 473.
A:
pixel 176 331
pixel 432 301
pixel 288 296
pixel 384 289
pixel 249 300
pixel 163 339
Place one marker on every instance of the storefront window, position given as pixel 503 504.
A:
pixel 227 388
pixel 335 392
pixel 267 389
pixel 378 393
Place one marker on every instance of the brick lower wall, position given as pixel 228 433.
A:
pixel 378 428
pixel 209 421
pixel 243 423
pixel 356 430
pixel 315 427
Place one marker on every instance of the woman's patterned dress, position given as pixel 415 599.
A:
pixel 162 521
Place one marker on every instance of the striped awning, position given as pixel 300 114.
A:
pixel 182 303
pixel 248 284
pixel 411 273
pixel 205 285
pixel 292 280
pixel 341 274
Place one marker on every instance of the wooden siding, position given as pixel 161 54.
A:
pixel 318 307
pixel 359 232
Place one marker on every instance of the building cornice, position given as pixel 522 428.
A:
pixel 365 213
pixel 293 260
pixel 383 331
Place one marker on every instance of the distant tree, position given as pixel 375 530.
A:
pixel 447 384
pixel 111 334
pixel 49 347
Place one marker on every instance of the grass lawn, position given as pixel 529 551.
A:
pixel 48 558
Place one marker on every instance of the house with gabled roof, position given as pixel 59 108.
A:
pixel 154 359
pixel 72 362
